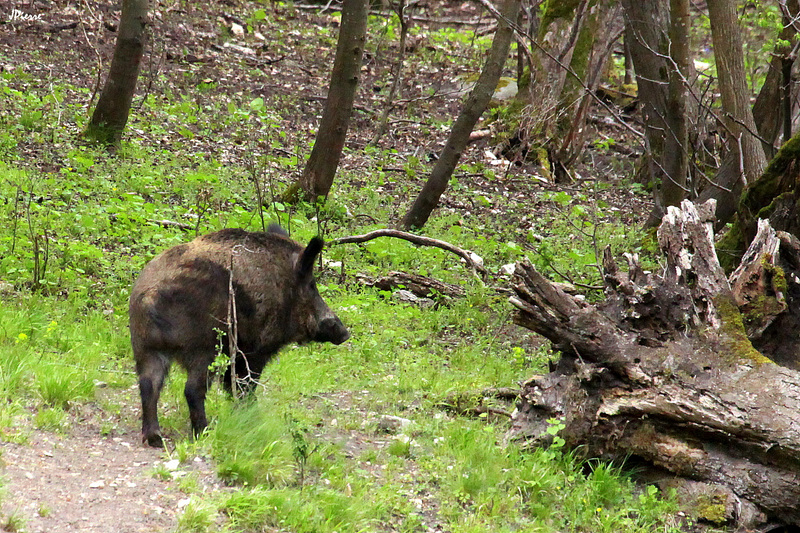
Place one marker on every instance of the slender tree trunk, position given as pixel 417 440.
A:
pixel 647 39
pixel 767 117
pixel 383 122
pixel 594 45
pixel 320 169
pixel 111 114
pixel 745 160
pixel 767 112
pixel 676 153
pixel 474 107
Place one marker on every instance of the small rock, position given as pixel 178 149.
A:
pixel 508 269
pixel 172 465
pixel 392 425
pixel 478 260
pixel 237 30
pixel 406 296
pixel 97 484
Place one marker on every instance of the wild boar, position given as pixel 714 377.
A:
pixel 179 308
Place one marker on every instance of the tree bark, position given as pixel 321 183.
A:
pixel 676 145
pixel 767 109
pixel 745 160
pixel 774 196
pixel 647 27
pixel 113 107
pixel 595 41
pixel 383 122
pixel 474 107
pixel 318 174
pixel 663 371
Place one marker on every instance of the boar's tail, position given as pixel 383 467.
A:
pixel 306 264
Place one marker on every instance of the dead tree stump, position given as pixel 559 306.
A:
pixel 663 370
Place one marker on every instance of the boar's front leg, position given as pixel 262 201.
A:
pixel 195 393
pixel 151 368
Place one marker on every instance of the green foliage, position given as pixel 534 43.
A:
pixel 252 446
pixel 570 243
pixel 197 517
pixel 316 510
pixel 14 522
pixel 761 22
pixel 54 419
pixel 58 386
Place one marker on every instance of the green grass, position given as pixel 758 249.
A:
pixel 303 453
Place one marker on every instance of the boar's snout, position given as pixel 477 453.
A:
pixel 332 330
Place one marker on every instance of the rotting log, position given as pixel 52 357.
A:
pixel 422 286
pixel 662 370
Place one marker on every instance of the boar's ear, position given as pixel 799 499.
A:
pixel 306 263
pixel 277 229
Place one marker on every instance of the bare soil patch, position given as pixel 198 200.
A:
pixel 84 481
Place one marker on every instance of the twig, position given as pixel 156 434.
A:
pixel 419 240
pixel 383 121
pixel 172 224
pixel 99 79
pixel 233 328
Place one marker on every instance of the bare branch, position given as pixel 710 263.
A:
pixel 467 256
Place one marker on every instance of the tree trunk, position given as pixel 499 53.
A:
pixel 594 44
pixel 111 114
pixel 383 122
pixel 647 37
pixel 662 371
pixel 317 177
pixel 676 145
pixel 745 160
pixel 767 109
pixel 474 107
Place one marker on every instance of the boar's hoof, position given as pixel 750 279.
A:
pixel 153 440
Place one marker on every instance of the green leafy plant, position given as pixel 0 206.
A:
pixel 197 517
pixel 59 386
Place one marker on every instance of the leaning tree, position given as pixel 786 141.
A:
pixel 111 113
pixel 474 106
pixel 317 177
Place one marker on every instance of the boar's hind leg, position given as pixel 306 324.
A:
pixel 195 393
pixel 152 369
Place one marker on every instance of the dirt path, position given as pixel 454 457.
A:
pixel 86 482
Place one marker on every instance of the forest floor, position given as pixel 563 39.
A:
pixel 82 478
